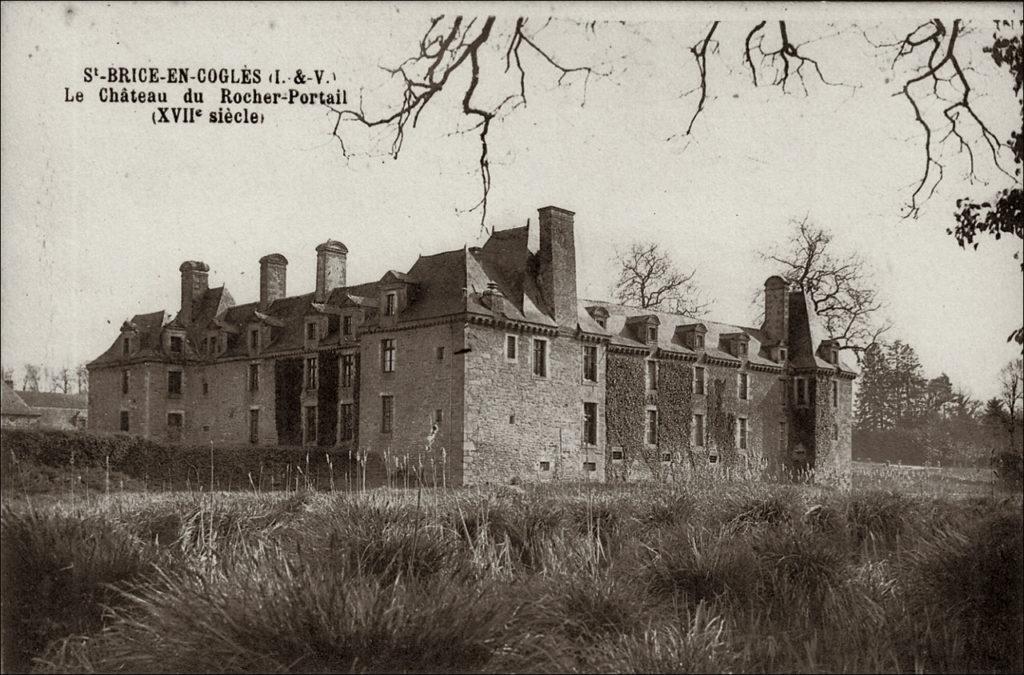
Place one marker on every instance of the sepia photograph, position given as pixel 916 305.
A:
pixel 512 337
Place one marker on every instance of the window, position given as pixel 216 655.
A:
pixel 783 354
pixel 666 456
pixel 311 330
pixel 254 339
pixel 124 420
pixel 387 413
pixel 744 387
pixel 616 454
pixel 254 377
pixel 390 303
pixel 783 436
pixel 698 431
pixel 590 423
pixel 176 344
pixel 347 421
pixel 698 380
pixel 174 383
pixel 512 418
pixel 347 367
pixel 511 343
pixel 126 345
pixel 311 372
pixel 175 421
pixel 206 388
pixel 438 416
pixel 651 429
pixel 800 390
pixel 590 466
pixel 835 394
pixel 254 426
pixel 387 355
pixel 601 321
pixel 540 357
pixel 652 333
pixel 545 466
pixel 652 375
pixel 346 325
pixel 835 432
pixel 741 432
pixel 125 375
pixel 440 353
pixel 713 457
pixel 833 356
pixel 590 363
pixel 310 424
pixel 698 341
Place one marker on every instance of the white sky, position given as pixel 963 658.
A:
pixel 100 207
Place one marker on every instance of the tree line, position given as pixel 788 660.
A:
pixel 61 379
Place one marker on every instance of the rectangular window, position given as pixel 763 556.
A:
pixel 254 339
pixel 540 357
pixel 311 372
pixel 652 375
pixel 545 466
pixel 124 420
pixel 176 344
pixel 651 429
pixel 744 387
pixel 346 325
pixel 310 425
pixel 206 387
pixel 698 431
pixel 835 432
pixel 174 383
pixel 125 375
pixel 783 437
pixel 698 380
pixel 741 432
pixel 698 341
pixel 590 363
pixel 616 454
pixel 387 414
pixel 590 423
pixel 800 390
pixel 652 334
pixel 666 456
pixel 783 354
pixel 387 355
pixel 440 353
pixel 254 426
pixel 347 367
pixel 254 377
pixel 126 345
pixel 511 342
pixel 835 394
pixel 175 421
pixel 311 332
pixel 590 466
pixel 347 421
pixel 438 416
pixel 390 302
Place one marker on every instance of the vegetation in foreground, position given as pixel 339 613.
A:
pixel 642 578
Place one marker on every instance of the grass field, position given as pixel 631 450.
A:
pixel 641 578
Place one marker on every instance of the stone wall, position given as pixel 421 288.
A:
pixel 519 425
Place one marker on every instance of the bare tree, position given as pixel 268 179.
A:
pixel 60 380
pixel 648 278
pixel 82 378
pixel 840 288
pixel 1011 386
pixel 30 382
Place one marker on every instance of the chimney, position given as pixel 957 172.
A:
pixel 776 310
pixel 331 257
pixel 494 299
pixel 273 279
pixel 194 282
pixel 557 264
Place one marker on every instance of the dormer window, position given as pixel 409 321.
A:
pixel 177 344
pixel 599 315
pixel 254 339
pixel 311 330
pixel 652 334
pixel 346 325
pixel 698 341
pixel 692 335
pixel 126 345
pixel 390 304
pixel 783 354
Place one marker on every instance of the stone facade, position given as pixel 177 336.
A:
pixel 479 365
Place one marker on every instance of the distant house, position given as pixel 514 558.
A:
pixel 14 412
pixel 56 410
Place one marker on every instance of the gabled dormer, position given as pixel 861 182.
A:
pixel 736 344
pixel 129 339
pixel 644 328
pixel 174 340
pixel 829 350
pixel 692 335
pixel 314 329
pixel 598 314
pixel 395 295
pixel 352 311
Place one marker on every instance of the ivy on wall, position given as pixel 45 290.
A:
pixel 721 423
pixel 675 411
pixel 624 406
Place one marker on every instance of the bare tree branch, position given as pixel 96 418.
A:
pixel 649 279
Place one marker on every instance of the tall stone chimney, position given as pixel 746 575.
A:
pixel 776 310
pixel 331 257
pixel 273 279
pixel 557 269
pixel 194 282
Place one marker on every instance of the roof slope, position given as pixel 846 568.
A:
pixel 54 399
pixel 12 405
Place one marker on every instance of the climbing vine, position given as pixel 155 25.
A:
pixel 721 423
pixel 625 404
pixel 676 411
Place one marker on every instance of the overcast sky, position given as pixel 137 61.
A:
pixel 100 206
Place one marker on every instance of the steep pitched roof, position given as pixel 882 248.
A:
pixel 12 405
pixel 50 399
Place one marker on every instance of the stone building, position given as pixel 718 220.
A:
pixel 482 364
pixel 56 410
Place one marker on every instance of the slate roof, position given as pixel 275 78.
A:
pixel 12 405
pixel 49 399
